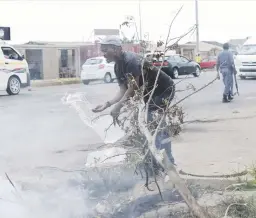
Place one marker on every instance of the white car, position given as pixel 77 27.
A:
pixel 14 72
pixel 97 69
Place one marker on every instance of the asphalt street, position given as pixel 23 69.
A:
pixel 37 129
pixel 38 132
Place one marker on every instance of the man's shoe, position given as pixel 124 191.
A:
pixel 225 99
pixel 230 97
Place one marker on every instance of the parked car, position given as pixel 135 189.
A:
pixel 208 63
pixel 14 72
pixel 176 65
pixel 97 69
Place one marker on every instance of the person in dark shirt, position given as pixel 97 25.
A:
pixel 128 65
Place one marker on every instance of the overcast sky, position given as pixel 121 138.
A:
pixel 74 20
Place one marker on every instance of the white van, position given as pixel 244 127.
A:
pixel 245 60
pixel 14 72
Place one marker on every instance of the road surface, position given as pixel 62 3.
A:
pixel 39 133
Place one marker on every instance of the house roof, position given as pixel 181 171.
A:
pixel 237 42
pixel 214 43
pixel 45 44
pixel 203 46
pixel 57 43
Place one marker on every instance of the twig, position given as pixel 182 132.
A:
pixel 183 79
pixel 121 155
pixel 237 185
pixel 62 170
pixel 158 73
pixel 99 116
pixel 227 210
pixel 10 181
pixel 211 82
pixel 182 36
pixel 12 184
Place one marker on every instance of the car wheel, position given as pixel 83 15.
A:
pixel 86 82
pixel 242 77
pixel 108 78
pixel 175 74
pixel 13 87
pixel 198 72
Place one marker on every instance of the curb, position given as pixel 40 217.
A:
pixel 57 82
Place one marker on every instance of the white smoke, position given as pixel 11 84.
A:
pixel 62 201
pixel 83 107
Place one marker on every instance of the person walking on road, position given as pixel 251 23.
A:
pixel 127 65
pixel 226 67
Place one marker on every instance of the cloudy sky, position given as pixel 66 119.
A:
pixel 72 20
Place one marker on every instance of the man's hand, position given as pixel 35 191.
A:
pixel 100 108
pixel 115 112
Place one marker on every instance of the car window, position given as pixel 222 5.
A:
pixel 93 61
pixel 171 58
pixel 165 58
pixel 183 59
pixel 205 60
pixel 9 53
pixel 177 58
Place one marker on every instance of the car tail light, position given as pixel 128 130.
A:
pixel 160 63
pixel 101 66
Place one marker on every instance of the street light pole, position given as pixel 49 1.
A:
pixel 197 27
pixel 140 21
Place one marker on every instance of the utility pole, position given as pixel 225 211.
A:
pixel 197 27
pixel 140 21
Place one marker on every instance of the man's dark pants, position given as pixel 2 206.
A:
pixel 163 137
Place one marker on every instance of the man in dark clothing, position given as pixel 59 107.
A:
pixel 128 64
pixel 226 66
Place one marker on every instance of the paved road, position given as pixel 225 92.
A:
pixel 37 130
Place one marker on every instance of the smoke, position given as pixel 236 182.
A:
pixel 83 107
pixel 62 200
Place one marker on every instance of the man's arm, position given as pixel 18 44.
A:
pixel 130 91
pixel 218 67
pixel 124 94
pixel 218 63
pixel 119 95
pixel 232 62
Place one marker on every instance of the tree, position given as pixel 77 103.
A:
pixel 172 117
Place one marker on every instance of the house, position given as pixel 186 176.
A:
pixel 206 49
pixel 52 60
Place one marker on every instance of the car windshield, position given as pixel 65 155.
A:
pixel 165 58
pixel 248 50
